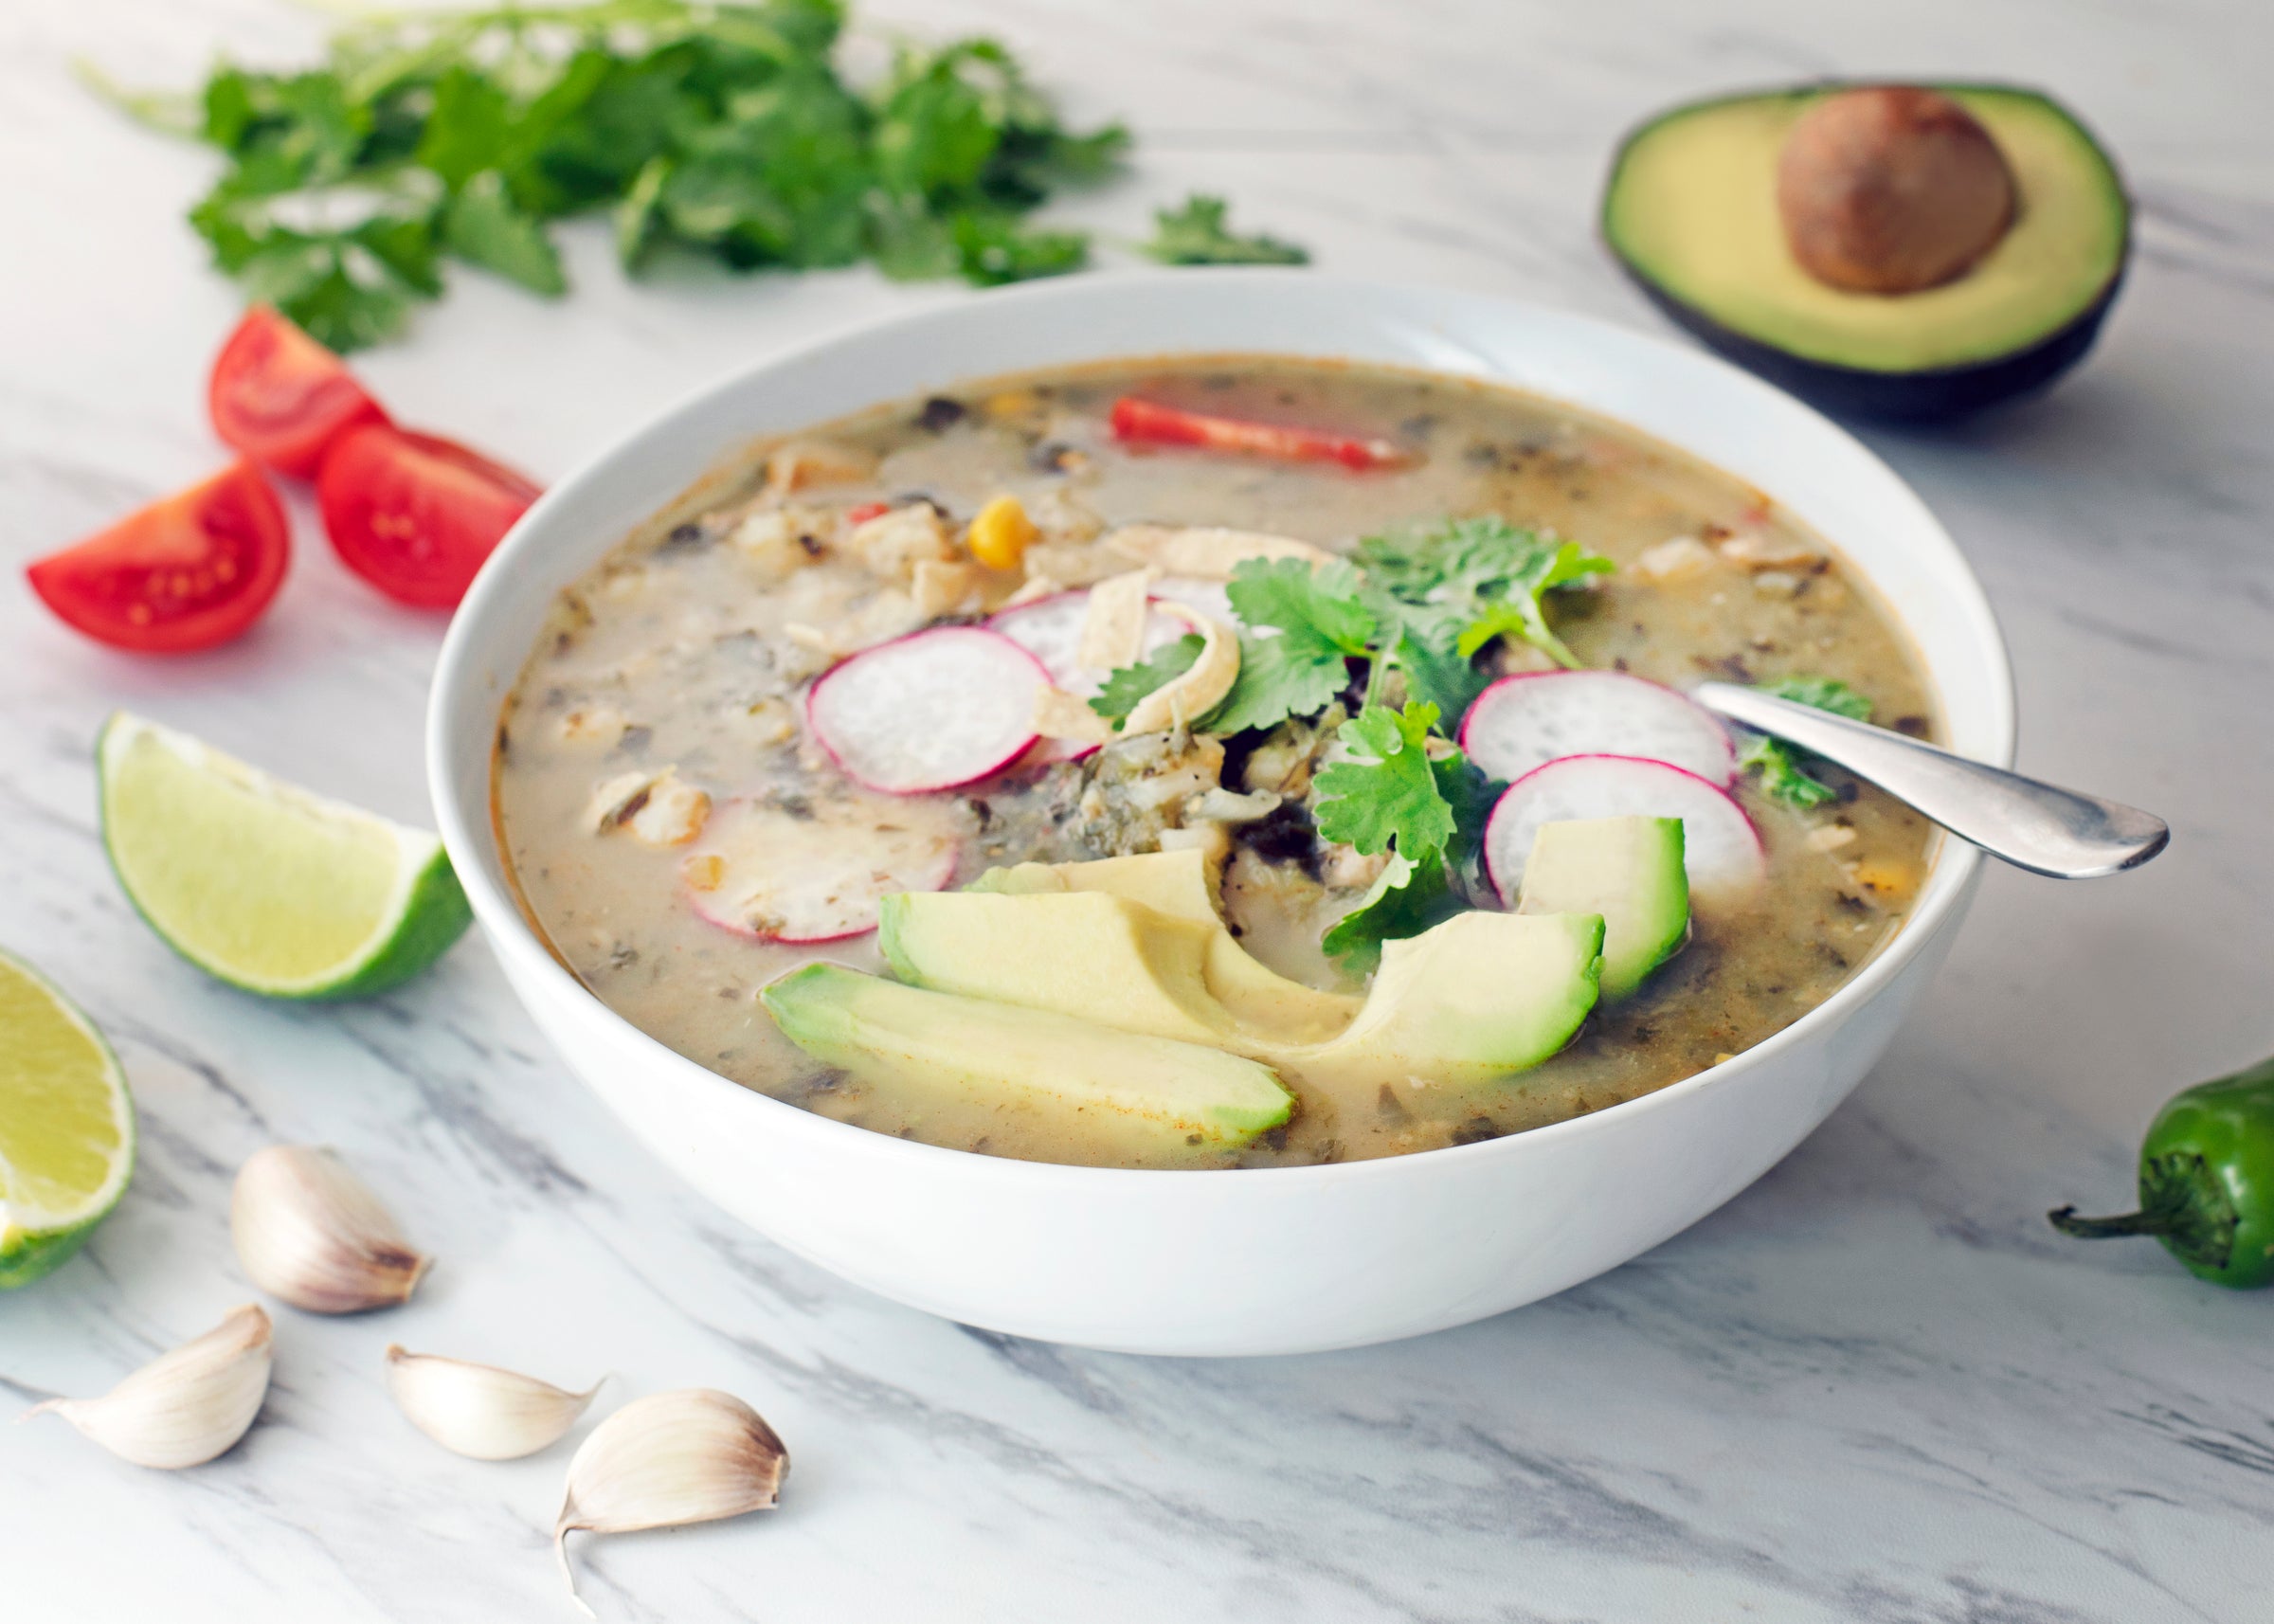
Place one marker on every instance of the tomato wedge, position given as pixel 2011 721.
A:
pixel 184 573
pixel 1148 422
pixel 414 513
pixel 281 398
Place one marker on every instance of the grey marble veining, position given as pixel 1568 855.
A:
pixel 1875 1387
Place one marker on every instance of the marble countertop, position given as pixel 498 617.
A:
pixel 1873 1387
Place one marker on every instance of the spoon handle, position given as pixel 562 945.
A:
pixel 2031 825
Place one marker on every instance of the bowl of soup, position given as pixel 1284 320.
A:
pixel 1161 812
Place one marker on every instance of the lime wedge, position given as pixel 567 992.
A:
pixel 264 886
pixel 66 1126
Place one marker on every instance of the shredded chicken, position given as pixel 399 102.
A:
pixel 944 588
pixel 592 725
pixel 1674 559
pixel 656 808
pixel 893 543
pixel 1750 550
pixel 782 540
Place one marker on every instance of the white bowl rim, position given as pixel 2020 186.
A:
pixel 509 931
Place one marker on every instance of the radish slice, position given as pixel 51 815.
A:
pixel 1051 630
pixel 929 711
pixel 1526 721
pixel 1722 850
pixel 762 872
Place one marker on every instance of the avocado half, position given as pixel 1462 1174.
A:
pixel 1690 213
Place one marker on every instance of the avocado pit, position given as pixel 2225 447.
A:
pixel 1891 190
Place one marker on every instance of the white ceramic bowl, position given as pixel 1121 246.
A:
pixel 1278 1261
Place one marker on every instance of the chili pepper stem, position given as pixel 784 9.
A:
pixel 2068 1222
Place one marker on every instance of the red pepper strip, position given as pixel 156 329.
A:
pixel 1150 422
pixel 866 512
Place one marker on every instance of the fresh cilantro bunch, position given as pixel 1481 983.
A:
pixel 1197 234
pixel 1778 762
pixel 721 131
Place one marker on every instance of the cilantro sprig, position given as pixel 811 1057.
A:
pixel 718 131
pixel 1466 582
pixel 1197 234
pixel 1423 803
pixel 1778 762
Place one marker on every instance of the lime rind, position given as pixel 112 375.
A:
pixel 34 1242
pixel 422 913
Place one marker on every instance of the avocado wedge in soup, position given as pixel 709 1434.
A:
pixel 1217 762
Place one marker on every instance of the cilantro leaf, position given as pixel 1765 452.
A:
pixel 1129 684
pixel 1437 674
pixel 1824 693
pixel 992 248
pixel 1319 624
pixel 1386 792
pixel 1195 235
pixel 1519 613
pixel 1468 581
pixel 484 226
pixel 1470 793
pixel 1407 900
pixel 1779 762
pixel 1278 677
pixel 1319 603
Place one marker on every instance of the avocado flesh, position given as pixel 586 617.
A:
pixel 1629 871
pixel 1100 957
pixel 1692 212
pixel 1477 996
pixel 1178 884
pixel 1148 1093
pixel 1480 995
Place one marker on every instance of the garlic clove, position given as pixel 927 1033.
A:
pixel 480 1410
pixel 183 1408
pixel 692 1455
pixel 312 1233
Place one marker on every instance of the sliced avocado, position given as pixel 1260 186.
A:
pixel 1476 997
pixel 1692 213
pixel 1629 871
pixel 1178 884
pixel 1083 953
pixel 914 1045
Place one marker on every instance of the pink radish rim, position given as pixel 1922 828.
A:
pixel 814 730
pixel 1485 848
pixel 1498 683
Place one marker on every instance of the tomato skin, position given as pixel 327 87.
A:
pixel 1145 421
pixel 281 398
pixel 415 514
pixel 187 573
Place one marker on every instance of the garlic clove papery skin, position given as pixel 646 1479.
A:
pixel 692 1455
pixel 185 1407
pixel 309 1231
pixel 480 1410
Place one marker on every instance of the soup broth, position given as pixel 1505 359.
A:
pixel 666 695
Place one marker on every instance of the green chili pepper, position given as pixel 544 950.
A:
pixel 2206 1181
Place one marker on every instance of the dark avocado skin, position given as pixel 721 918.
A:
pixel 1896 397
pixel 1940 395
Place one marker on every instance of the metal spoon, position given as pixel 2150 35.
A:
pixel 2029 824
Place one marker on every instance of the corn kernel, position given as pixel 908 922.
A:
pixel 1012 404
pixel 1001 531
pixel 1885 877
